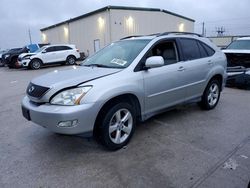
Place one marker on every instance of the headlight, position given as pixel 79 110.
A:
pixel 70 97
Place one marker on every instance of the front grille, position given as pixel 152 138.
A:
pixel 36 91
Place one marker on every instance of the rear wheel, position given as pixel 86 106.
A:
pixel 117 126
pixel 211 95
pixel 71 60
pixel 35 64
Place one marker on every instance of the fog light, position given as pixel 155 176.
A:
pixel 67 124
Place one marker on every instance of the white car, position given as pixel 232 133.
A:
pixel 50 54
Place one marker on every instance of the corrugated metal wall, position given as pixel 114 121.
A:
pixel 127 22
pixel 111 25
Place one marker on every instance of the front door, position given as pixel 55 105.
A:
pixel 164 86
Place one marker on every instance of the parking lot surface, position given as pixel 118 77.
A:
pixel 185 147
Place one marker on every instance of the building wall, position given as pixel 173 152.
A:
pixel 83 32
pixel 111 25
pixel 56 35
pixel 127 22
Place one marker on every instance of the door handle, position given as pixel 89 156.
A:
pixel 181 68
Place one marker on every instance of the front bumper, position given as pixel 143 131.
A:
pixel 24 62
pixel 49 116
pixel 238 77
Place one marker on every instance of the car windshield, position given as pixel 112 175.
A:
pixel 117 55
pixel 40 49
pixel 240 45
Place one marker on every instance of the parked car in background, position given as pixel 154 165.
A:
pixel 238 58
pixel 2 52
pixel 128 81
pixel 10 58
pixel 6 55
pixel 63 53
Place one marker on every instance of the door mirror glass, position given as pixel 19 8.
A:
pixel 154 61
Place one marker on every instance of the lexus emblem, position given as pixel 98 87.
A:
pixel 31 89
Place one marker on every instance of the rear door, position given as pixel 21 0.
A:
pixel 197 63
pixel 63 52
pixel 49 56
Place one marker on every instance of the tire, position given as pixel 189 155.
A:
pixel 115 132
pixel 13 63
pixel 71 60
pixel 211 95
pixel 35 64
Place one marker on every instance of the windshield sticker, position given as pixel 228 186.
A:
pixel 119 62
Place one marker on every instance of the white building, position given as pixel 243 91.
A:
pixel 94 30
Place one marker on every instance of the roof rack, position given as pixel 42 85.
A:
pixel 179 33
pixel 131 36
pixel 162 34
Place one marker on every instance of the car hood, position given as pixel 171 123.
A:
pixel 26 54
pixel 236 51
pixel 72 77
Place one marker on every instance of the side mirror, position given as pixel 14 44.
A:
pixel 44 51
pixel 154 61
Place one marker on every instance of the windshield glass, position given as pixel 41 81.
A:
pixel 117 55
pixel 240 45
pixel 40 49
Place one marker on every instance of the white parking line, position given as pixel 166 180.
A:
pixel 14 81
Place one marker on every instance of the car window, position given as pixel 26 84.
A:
pixel 61 48
pixel 190 49
pixel 203 52
pixel 209 50
pixel 50 49
pixel 240 45
pixel 119 54
pixel 167 50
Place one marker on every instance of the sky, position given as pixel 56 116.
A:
pixel 17 17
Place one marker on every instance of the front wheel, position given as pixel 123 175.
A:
pixel 211 95
pixel 118 126
pixel 35 64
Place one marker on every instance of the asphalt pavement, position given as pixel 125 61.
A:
pixel 185 147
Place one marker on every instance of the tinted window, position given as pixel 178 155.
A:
pixel 190 49
pixel 203 52
pixel 209 50
pixel 61 48
pixel 50 49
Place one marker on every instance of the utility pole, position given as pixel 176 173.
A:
pixel 30 36
pixel 203 29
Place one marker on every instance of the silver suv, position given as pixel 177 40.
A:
pixel 128 81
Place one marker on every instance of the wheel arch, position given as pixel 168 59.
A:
pixel 218 77
pixel 128 98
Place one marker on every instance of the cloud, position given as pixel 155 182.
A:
pixel 18 16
